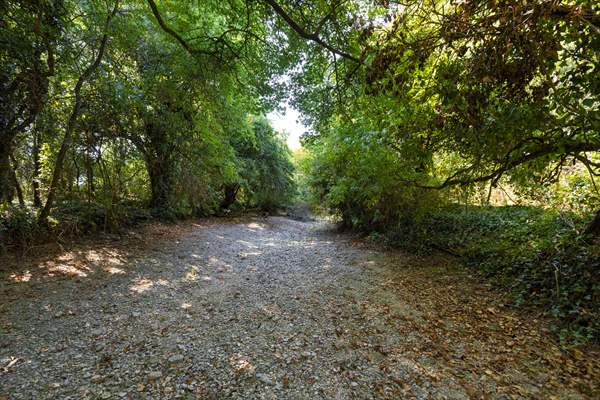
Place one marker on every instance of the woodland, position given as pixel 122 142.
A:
pixel 465 127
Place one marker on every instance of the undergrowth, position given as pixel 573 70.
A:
pixel 540 257
pixel 19 227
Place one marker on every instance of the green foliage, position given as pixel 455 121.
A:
pixel 412 108
pixel 354 175
pixel 18 226
pixel 80 217
pixel 461 103
pixel 266 171
pixel 301 160
pixel 160 123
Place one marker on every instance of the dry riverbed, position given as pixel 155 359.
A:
pixel 268 308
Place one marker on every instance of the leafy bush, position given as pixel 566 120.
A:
pixel 265 168
pixel 18 226
pixel 76 217
pixel 352 176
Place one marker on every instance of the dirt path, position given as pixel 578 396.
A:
pixel 268 309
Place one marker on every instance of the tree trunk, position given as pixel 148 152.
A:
pixel 35 182
pixel 6 184
pixel 89 173
pixel 230 193
pixel 594 226
pixel 89 177
pixel 161 183
pixel 15 180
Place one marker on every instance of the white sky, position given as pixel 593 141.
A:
pixel 289 123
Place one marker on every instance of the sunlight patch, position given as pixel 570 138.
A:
pixel 114 271
pixel 141 285
pixel 240 364
pixel 24 277
pixel 192 274
pixel 250 253
pixel 254 225
pixel 248 244
pixel 64 269
pixel 112 257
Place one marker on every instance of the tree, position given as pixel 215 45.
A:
pixel 30 31
pixel 511 86
pixel 77 104
pixel 265 168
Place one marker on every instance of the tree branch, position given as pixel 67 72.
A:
pixel 168 29
pixel 543 150
pixel 174 34
pixel 314 37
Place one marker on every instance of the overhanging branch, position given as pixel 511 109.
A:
pixel 573 149
pixel 174 34
pixel 314 37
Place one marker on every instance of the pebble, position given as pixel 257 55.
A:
pixel 264 379
pixel 175 358
pixel 154 375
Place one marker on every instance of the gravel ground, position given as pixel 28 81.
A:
pixel 268 308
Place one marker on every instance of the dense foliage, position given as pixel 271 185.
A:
pixel 105 114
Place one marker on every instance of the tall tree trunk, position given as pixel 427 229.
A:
pixel 89 173
pixel 89 177
pixel 16 182
pixel 77 175
pixel 158 150
pixel 6 184
pixel 161 183
pixel 35 181
pixel 66 143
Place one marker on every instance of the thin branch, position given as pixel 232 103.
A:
pixel 314 37
pixel 174 34
pixel 543 150
pixel 168 29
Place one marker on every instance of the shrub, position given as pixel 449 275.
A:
pixel 539 257
pixel 18 226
